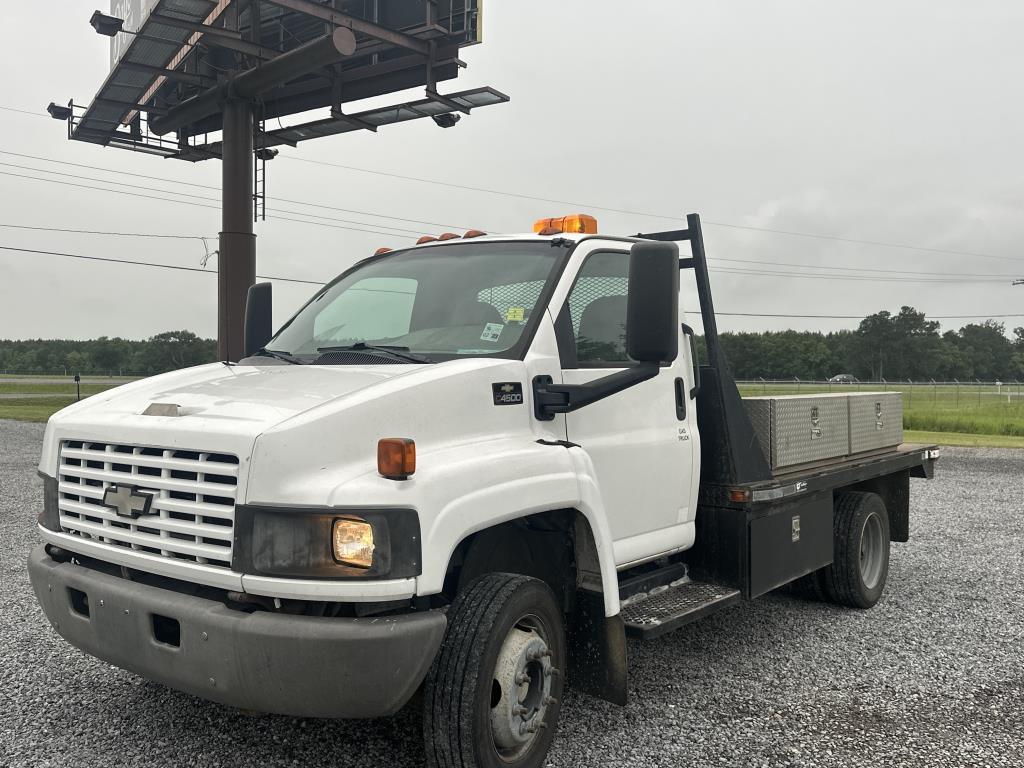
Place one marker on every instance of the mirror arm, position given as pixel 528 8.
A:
pixel 550 398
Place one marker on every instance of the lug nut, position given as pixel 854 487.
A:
pixel 549 700
pixel 521 678
pixel 518 710
pixel 552 672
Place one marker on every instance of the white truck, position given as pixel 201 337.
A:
pixel 468 468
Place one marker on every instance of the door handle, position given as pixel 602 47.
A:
pixel 688 332
pixel 681 399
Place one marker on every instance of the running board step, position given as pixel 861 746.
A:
pixel 662 611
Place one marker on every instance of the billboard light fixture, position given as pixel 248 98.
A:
pixel 266 153
pixel 57 112
pixel 106 25
pixel 447 120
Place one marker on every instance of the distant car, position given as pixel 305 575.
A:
pixel 843 378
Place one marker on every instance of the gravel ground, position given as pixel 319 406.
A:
pixel 931 677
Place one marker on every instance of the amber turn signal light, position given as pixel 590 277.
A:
pixel 578 223
pixel 396 457
pixel 739 495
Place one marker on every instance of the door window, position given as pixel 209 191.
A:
pixel 597 310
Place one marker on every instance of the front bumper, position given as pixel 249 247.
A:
pixel 269 662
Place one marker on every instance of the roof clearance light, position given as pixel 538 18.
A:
pixel 426 239
pixel 448 236
pixel 473 233
pixel 577 223
pixel 381 251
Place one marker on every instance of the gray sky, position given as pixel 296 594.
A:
pixel 886 121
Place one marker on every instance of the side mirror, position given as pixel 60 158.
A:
pixel 258 320
pixel 652 307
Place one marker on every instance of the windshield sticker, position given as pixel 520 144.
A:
pixel 474 351
pixel 491 332
pixel 515 314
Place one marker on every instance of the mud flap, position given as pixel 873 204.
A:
pixel 597 649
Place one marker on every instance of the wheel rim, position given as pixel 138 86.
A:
pixel 872 551
pixel 521 688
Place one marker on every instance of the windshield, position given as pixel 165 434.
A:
pixel 436 303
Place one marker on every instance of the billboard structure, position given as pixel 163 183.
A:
pixel 198 79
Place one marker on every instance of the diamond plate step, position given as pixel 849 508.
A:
pixel 675 606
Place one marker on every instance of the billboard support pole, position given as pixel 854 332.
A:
pixel 237 260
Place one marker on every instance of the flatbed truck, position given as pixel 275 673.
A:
pixel 468 469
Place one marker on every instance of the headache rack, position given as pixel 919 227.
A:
pixel 730 451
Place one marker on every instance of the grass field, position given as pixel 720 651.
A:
pixel 33 408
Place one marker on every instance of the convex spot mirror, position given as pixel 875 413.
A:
pixel 652 308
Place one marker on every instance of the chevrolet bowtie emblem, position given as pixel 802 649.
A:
pixel 507 388
pixel 128 501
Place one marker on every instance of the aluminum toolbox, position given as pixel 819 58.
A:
pixel 876 420
pixel 800 429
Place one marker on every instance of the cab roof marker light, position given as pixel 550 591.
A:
pixel 426 239
pixel 473 233
pixel 576 223
pixel 381 251
pixel 448 236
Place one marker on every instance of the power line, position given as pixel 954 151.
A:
pixel 765 273
pixel 147 264
pixel 172 200
pixel 318 283
pixel 951 277
pixel 99 232
pixel 728 225
pixel 80 177
pixel 706 222
pixel 217 189
pixel 859 317
pixel 859 278
pixel 24 111
pixel 857 269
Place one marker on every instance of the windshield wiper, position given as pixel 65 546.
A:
pixel 264 352
pixel 400 353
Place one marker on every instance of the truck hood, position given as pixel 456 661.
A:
pixel 221 398
pixel 222 407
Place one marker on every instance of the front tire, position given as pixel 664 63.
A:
pixel 860 561
pixel 492 697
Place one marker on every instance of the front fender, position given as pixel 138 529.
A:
pixel 523 478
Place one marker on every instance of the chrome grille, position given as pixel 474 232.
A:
pixel 193 499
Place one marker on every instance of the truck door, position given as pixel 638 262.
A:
pixel 643 441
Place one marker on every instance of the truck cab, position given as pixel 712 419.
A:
pixel 459 467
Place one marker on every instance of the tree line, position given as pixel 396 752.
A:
pixel 897 347
pixel 105 356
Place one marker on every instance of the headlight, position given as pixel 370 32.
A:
pixel 326 542
pixel 352 541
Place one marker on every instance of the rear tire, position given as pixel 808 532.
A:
pixel 860 559
pixel 492 697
